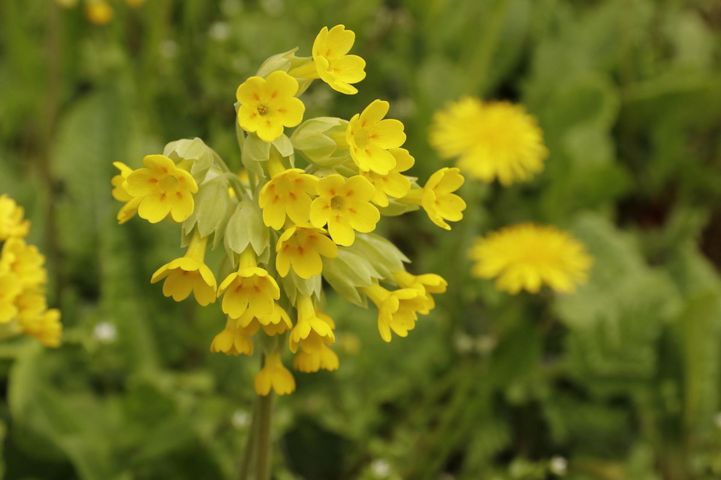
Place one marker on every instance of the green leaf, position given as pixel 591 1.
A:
pixel 246 227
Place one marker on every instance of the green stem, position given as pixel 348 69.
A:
pixel 263 450
pixel 250 444
pixel 477 78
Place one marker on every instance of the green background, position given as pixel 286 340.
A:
pixel 619 381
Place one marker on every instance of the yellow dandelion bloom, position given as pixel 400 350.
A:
pixel 121 194
pixel 9 291
pixel 528 256
pixel 490 139
pixel 370 136
pixel 25 262
pixel 426 284
pixel 162 188
pixel 234 340
pixel 99 12
pixel 301 249
pixel 333 64
pixel 267 105
pixel 394 184
pixel 344 204
pixel 397 310
pixel 188 274
pixel 251 289
pixel 46 327
pixel 12 223
pixel 287 194
pixel 274 376
pixel 30 304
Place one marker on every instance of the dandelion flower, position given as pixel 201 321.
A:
pixel 99 12
pixel 490 139
pixel 12 223
pixel 45 327
pixel 528 256
pixel 25 262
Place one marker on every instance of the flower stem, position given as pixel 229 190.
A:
pixel 263 441
pixel 250 445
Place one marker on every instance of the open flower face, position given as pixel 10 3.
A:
pixel 370 136
pixel 344 205
pixel 267 105
pixel 251 290
pixel 287 194
pixel 162 189
pixel 332 62
pixel 439 201
pixel 301 248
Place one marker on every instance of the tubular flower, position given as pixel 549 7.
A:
pixel 251 289
pixel 333 64
pixel 274 324
pixel 397 310
pixel 274 376
pixel 301 248
pixel 162 188
pixel 12 223
pixel 187 274
pixel 394 184
pixel 25 262
pixel 120 193
pixel 310 322
pixel 287 194
pixel 490 139
pixel 234 340
pixel 312 353
pixel 437 197
pixel 46 327
pixel 269 104
pixel 344 205
pixel 528 256
pixel 370 136
pixel 426 284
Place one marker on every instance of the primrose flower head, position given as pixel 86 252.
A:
pixel 370 136
pixel 12 223
pixel 287 195
pixel 267 105
pixel 490 139
pixel 162 188
pixel 394 184
pixel 437 197
pixel 333 64
pixel 188 274
pixel 251 289
pixel 528 256
pixel 301 249
pixel 344 204
pixel 274 376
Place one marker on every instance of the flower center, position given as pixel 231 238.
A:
pixel 262 109
pixel 337 202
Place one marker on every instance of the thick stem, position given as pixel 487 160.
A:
pixel 251 445
pixel 262 470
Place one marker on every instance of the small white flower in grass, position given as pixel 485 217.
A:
pixel 558 465
pixel 105 332
pixel 380 468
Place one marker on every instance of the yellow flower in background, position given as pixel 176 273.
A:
pixel 162 188
pixel 333 64
pixel 188 274
pixel 394 184
pixel 301 248
pixel 437 197
pixel 274 376
pixel 66 3
pixel 370 136
pixel 528 256
pixel 121 194
pixel 267 105
pixel 234 340
pixel 9 291
pixel 99 12
pixel 426 284
pixel 311 325
pixel 344 204
pixel 397 310
pixel 25 262
pixel 135 3
pixel 12 222
pixel 287 194
pixel 251 289
pixel 46 328
pixel 490 139
pixel 30 304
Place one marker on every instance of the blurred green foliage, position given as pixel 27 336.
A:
pixel 619 381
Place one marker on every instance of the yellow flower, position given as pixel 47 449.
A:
pixel 30 304
pixel 187 274
pixel 9 291
pixel 426 284
pixel 135 3
pixel 528 256
pixel 11 219
pixel 397 310
pixel 234 340
pixel 333 64
pixel 311 361
pixel 274 376
pixel 251 289
pixel 312 327
pixel 162 188
pixel 437 197
pixel 344 204
pixel 98 12
pixel 301 248
pixel 277 323
pixel 370 136
pixel 288 193
pixel 25 262
pixel 269 104
pixel 120 193
pixel 394 184
pixel 46 328
pixel 491 140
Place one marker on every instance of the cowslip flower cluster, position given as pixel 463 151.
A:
pixel 98 12
pixel 500 140
pixel 23 303
pixel 303 216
